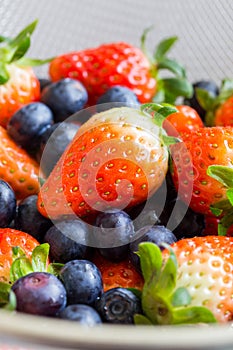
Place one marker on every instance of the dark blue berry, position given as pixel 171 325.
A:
pixel 7 204
pixel 28 123
pixel 118 95
pixel 39 293
pixel 112 233
pixel 68 240
pixel 118 305
pixel 64 97
pixel 44 82
pixel 156 234
pixel 81 313
pixel 53 143
pixel 83 282
pixel 193 102
pixel 29 219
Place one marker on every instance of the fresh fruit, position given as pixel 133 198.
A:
pixel 68 240
pixel 83 282
pixel 28 123
pixel 122 64
pixel 118 274
pixel 64 98
pixel 112 233
pixel 185 120
pixel 207 85
pixel 191 161
pixel 121 94
pixel 118 306
pixel 10 238
pixel 18 83
pixel 39 293
pixel 118 158
pixel 7 204
pixel 29 219
pixel 53 143
pixel 81 313
pixel 17 168
pixel 191 282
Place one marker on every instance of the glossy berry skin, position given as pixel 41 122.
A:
pixel 156 234
pixel 39 293
pixel 191 159
pixel 10 238
pixel 81 313
pixel 64 98
pixel 53 142
pixel 28 123
pixel 68 240
pixel 17 167
pixel 224 113
pixel 7 204
pixel 209 86
pixel 29 219
pixel 121 94
pixel 112 233
pixel 83 282
pixel 106 66
pixel 118 306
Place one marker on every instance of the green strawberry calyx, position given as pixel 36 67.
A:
pixel 163 303
pixel 22 266
pixel 13 50
pixel 169 88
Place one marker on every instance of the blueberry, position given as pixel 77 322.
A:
pixel 207 85
pixel 118 305
pixel 68 240
pixel 7 204
pixel 44 82
pixel 28 123
pixel 81 313
pixel 156 234
pixel 39 293
pixel 117 96
pixel 112 233
pixel 64 97
pixel 83 282
pixel 53 143
pixel 29 219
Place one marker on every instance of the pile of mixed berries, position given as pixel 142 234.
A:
pixel 115 200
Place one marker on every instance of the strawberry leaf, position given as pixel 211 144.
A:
pixel 181 297
pixel 193 314
pixel 55 268
pixel 19 268
pixel 21 49
pixel 4 75
pixel 151 261
pixel 11 305
pixel 163 47
pixel 40 257
pixel 205 98
pixel 4 293
pixel 221 173
pixel 33 62
pixel 26 32
pixel 172 66
pixel 142 320
pixel 176 87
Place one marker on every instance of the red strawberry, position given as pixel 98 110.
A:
pixel 17 167
pixel 118 274
pixel 117 159
pixel 185 120
pixel 18 83
pixel 192 284
pixel 123 64
pixel 10 238
pixel 191 160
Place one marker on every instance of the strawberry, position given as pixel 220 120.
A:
pixel 190 282
pixel 196 164
pixel 117 159
pixel 18 83
pixel 10 238
pixel 118 274
pixel 17 167
pixel 184 120
pixel 123 64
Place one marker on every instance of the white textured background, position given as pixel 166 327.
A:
pixel 204 28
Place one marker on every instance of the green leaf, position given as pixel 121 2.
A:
pixel 55 268
pixel 193 314
pixel 159 111
pixel 181 297
pixel 4 293
pixel 26 32
pixel 33 62
pixel 230 195
pixel 19 268
pixel 167 279
pixel 169 140
pixel 151 260
pixel 177 87
pixel 205 99
pixel 225 222
pixel 12 302
pixel 142 320
pixel 136 292
pixel 21 49
pixel 4 75
pixel 221 173
pixel 40 256
pixel 227 85
pixel 143 40
pixel 222 230
pixel 163 47
pixel 172 66
pixel 216 211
